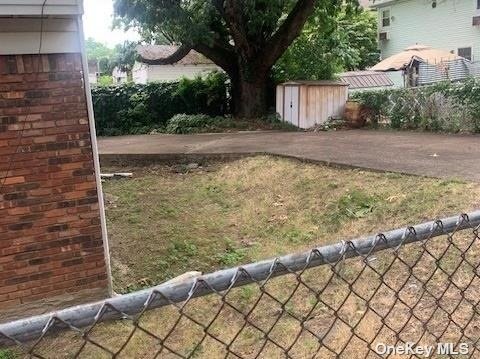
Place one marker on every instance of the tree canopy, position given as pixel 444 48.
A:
pixel 122 56
pixel 326 46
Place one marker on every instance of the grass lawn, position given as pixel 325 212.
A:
pixel 169 220
pixel 166 221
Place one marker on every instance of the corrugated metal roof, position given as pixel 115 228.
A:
pixel 366 79
pixel 156 52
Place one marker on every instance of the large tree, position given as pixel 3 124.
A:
pixel 243 37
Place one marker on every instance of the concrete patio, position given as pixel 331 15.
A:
pixel 424 154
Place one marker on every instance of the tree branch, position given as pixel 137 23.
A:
pixel 222 56
pixel 181 52
pixel 234 19
pixel 285 35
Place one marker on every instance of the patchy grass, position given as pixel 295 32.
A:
pixel 167 221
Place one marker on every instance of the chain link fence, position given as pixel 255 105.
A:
pixel 409 293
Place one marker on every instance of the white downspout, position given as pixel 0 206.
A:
pixel 91 120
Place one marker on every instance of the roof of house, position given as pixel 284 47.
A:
pixel 156 52
pixel 364 3
pixel 366 79
pixel 417 52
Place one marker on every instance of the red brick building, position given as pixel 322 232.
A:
pixel 53 245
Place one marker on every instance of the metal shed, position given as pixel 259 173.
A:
pixel 309 103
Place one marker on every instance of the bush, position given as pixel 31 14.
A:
pixel 447 107
pixel 183 124
pixel 134 109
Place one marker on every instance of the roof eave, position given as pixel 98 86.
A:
pixel 34 8
pixel 383 4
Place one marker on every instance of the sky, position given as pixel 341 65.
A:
pixel 98 23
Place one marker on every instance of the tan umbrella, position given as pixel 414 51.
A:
pixel 416 52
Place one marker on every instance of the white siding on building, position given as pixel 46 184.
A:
pixel 34 7
pixel 448 26
pixel 149 73
pixel 21 36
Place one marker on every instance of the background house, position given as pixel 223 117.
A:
pixel 119 76
pixel 191 66
pixel 451 25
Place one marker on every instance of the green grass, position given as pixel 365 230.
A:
pixel 165 222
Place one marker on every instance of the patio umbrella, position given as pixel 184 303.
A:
pixel 421 53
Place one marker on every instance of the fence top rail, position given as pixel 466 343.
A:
pixel 132 304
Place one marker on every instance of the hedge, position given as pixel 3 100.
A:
pixel 447 107
pixel 134 109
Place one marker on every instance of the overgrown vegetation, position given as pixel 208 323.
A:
pixel 447 107
pixel 134 109
pixel 166 221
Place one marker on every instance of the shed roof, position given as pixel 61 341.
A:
pixel 34 7
pixel 156 52
pixel 316 83
pixel 366 79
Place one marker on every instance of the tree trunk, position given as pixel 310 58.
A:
pixel 249 97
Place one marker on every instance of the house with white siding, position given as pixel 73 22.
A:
pixel 191 66
pixel 451 25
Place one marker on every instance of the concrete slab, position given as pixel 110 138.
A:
pixel 425 154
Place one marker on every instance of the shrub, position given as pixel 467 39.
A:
pixel 448 107
pixel 183 124
pixel 133 109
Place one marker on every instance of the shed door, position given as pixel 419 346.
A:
pixel 291 104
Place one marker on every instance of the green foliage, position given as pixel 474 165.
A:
pixel 124 56
pixel 183 124
pixel 447 107
pixel 331 43
pixel 105 80
pixel 133 109
pixel 96 51
pixel 7 354
pixel 199 92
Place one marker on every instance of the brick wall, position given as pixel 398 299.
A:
pixel 50 233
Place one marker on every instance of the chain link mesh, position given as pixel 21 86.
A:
pixel 415 290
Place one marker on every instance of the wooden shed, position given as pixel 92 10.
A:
pixel 309 103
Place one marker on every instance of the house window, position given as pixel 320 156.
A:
pixel 386 18
pixel 478 4
pixel 465 52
